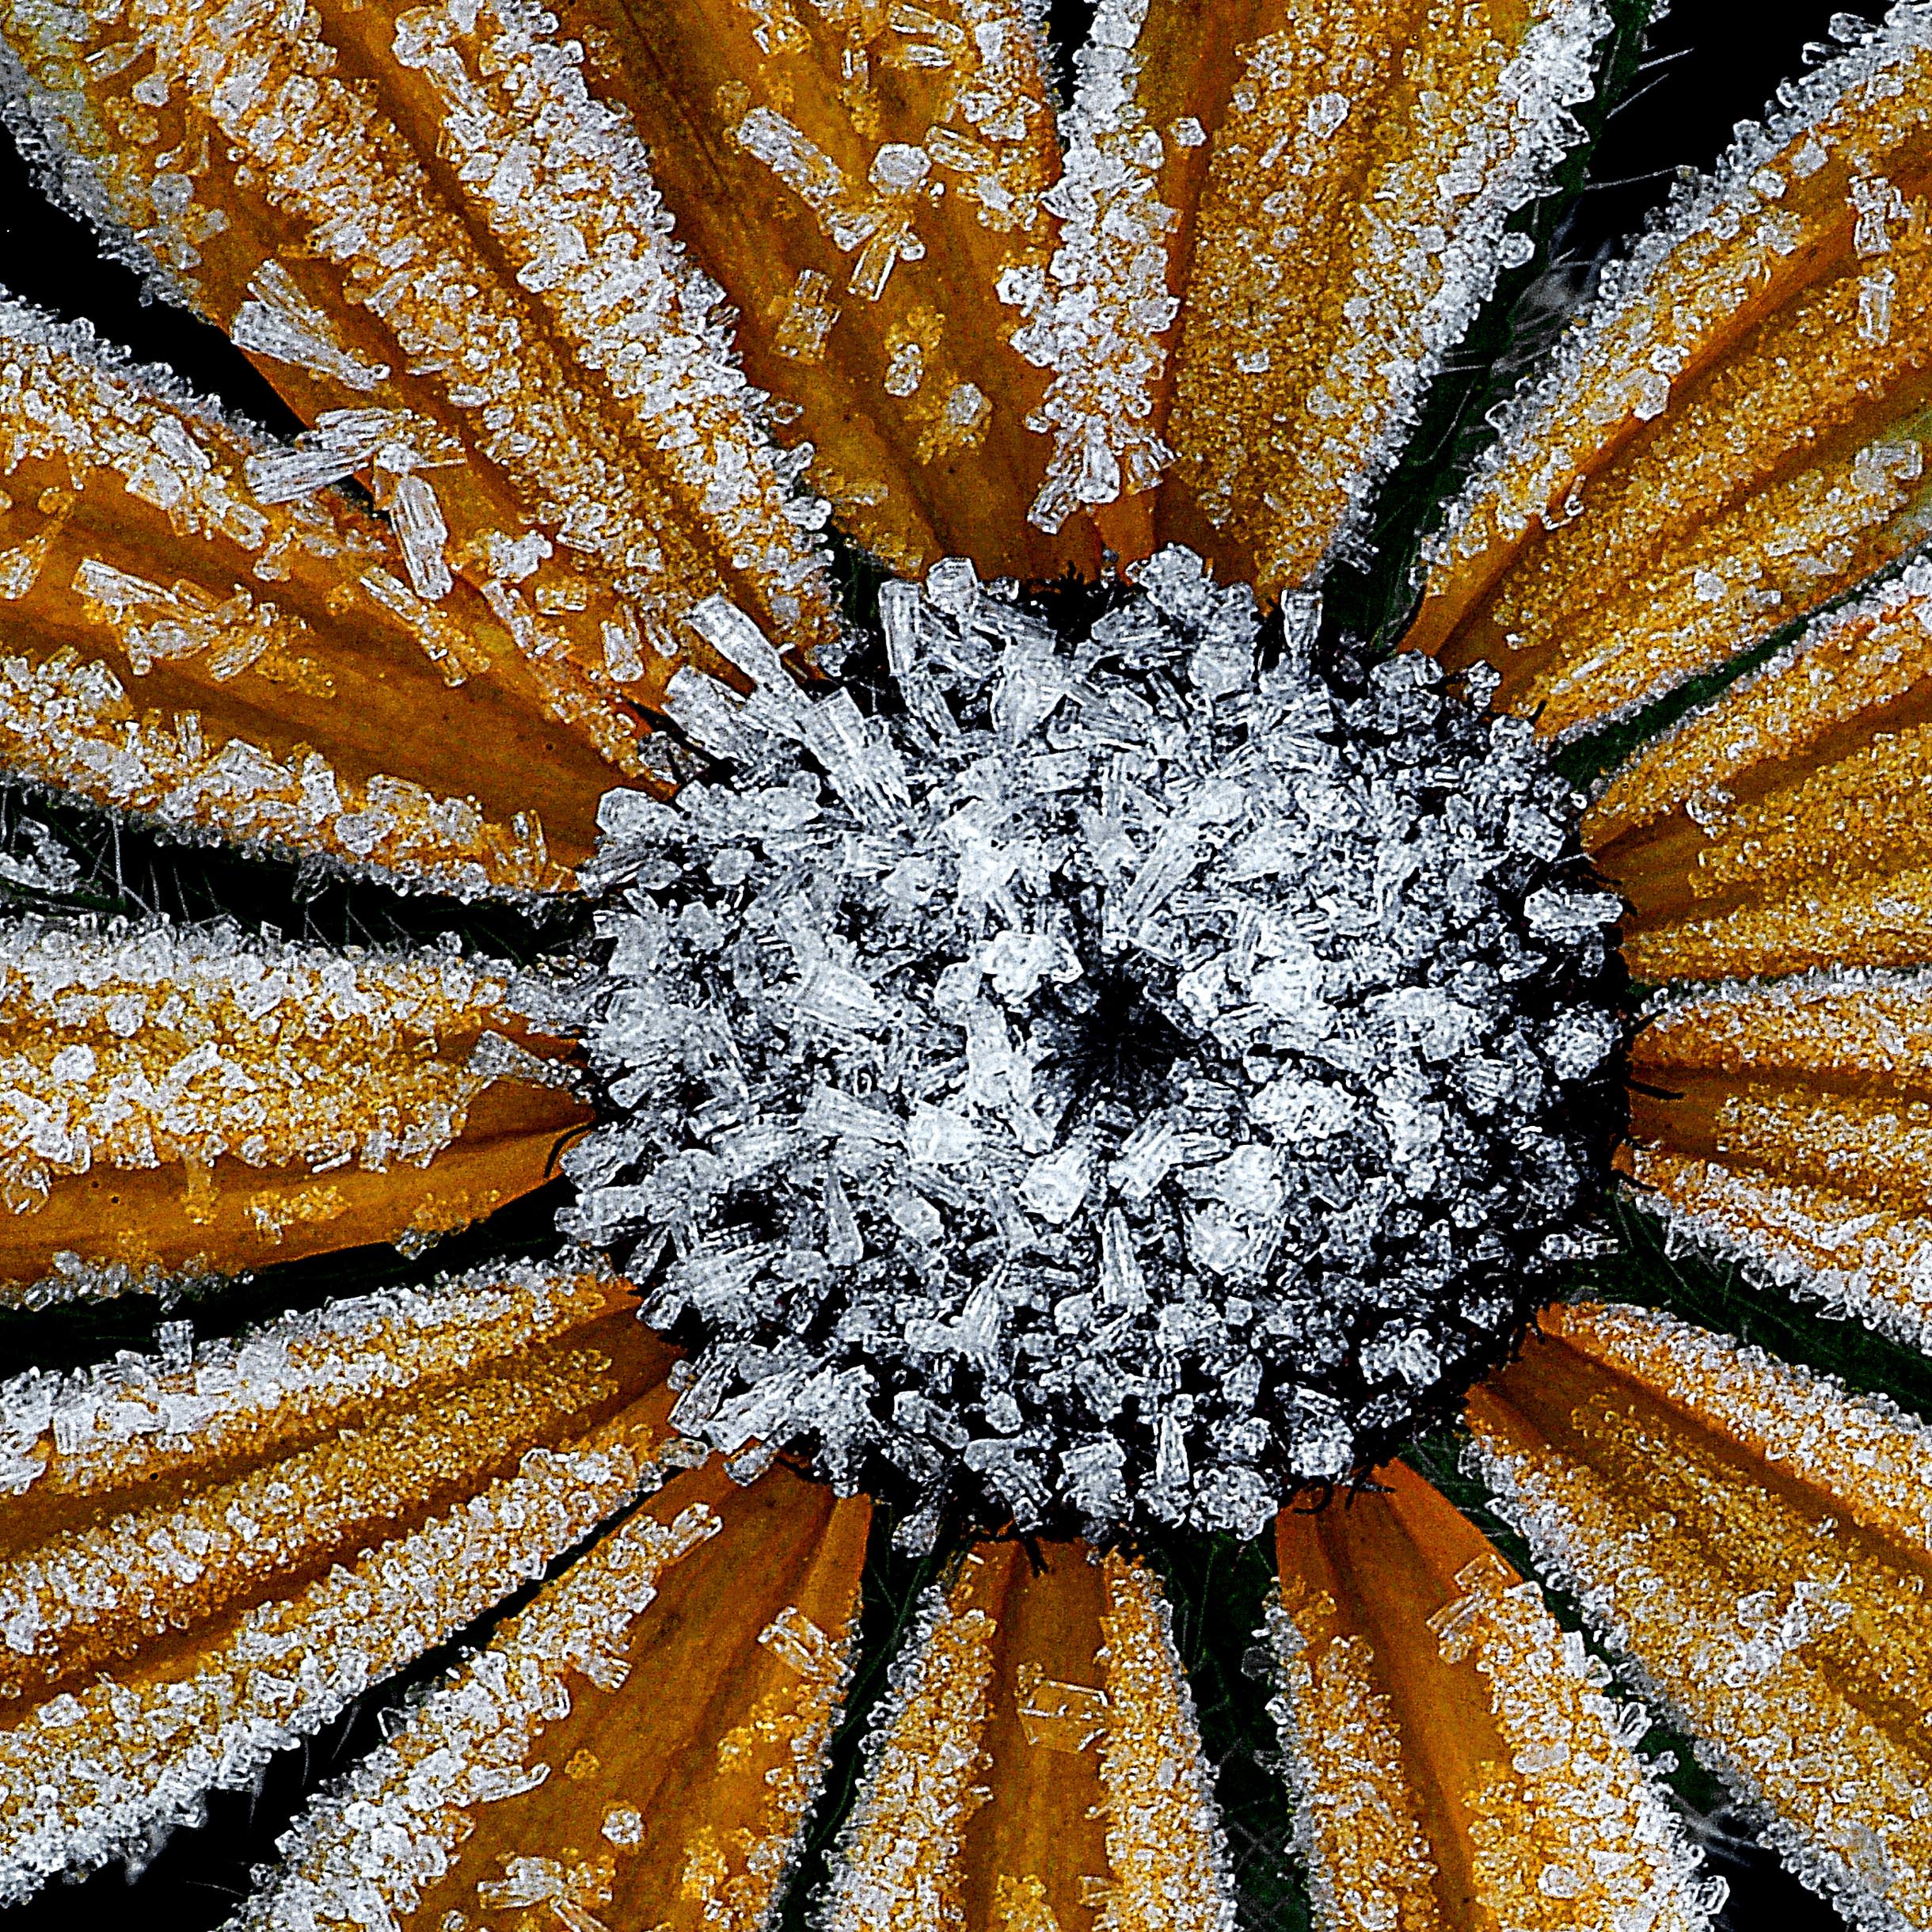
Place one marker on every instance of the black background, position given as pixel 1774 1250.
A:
pixel 1711 63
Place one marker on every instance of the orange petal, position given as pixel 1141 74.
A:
pixel 1455 1764
pixel 174 1101
pixel 640 1746
pixel 1789 1127
pixel 454 263
pixel 251 1532
pixel 176 648
pixel 172 1625
pixel 1343 174
pixel 1861 1453
pixel 1037 1768
pixel 1780 826
pixel 137 1430
pixel 1859 1255
pixel 1735 434
pixel 860 179
pixel 1754 1539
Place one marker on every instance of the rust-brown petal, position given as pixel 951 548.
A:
pixel 178 1610
pixel 1454 1764
pixel 640 1746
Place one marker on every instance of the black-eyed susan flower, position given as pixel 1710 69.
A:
pixel 1078 1062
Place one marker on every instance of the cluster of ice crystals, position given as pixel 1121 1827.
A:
pixel 35 862
pixel 1124 1078
pixel 1097 316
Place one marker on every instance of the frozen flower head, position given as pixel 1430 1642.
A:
pixel 1110 1063
pixel 1072 1067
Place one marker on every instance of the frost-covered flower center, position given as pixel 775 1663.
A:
pixel 1132 1073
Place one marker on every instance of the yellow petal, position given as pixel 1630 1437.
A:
pixel 1789 1127
pixel 1781 825
pixel 1455 1764
pixel 1038 1768
pixel 455 265
pixel 1343 174
pixel 1753 1539
pixel 639 1748
pixel 1816 1079
pixel 1100 324
pixel 172 1627
pixel 176 648
pixel 860 178
pixel 1736 434
pixel 175 1101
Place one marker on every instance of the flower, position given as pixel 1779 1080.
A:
pixel 818 546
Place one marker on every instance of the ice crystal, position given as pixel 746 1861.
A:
pixel 1142 1066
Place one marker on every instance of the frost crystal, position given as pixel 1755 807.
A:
pixel 1134 1066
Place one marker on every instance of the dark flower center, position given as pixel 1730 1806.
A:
pixel 1136 1067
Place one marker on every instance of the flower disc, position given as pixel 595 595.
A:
pixel 1136 1071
